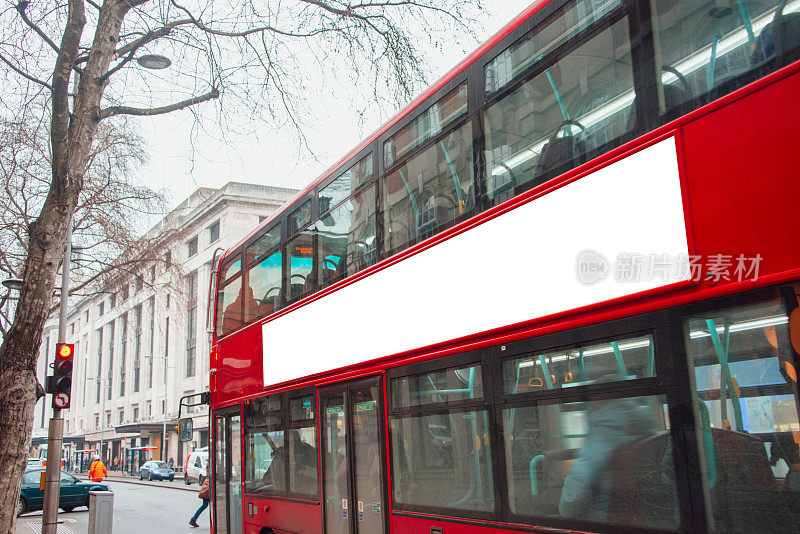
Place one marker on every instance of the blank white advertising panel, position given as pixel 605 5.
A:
pixel 616 232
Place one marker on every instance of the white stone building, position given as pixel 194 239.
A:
pixel 155 316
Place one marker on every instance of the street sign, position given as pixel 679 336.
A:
pixel 61 400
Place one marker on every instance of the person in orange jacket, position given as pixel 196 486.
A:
pixel 97 470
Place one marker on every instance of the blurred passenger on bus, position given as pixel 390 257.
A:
pixel 611 424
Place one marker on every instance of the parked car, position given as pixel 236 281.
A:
pixel 196 466
pixel 34 463
pixel 155 470
pixel 74 492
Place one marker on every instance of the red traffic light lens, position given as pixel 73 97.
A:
pixel 65 350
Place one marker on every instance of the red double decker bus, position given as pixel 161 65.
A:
pixel 557 292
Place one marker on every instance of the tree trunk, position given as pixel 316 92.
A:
pixel 71 137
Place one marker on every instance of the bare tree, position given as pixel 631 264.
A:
pixel 72 57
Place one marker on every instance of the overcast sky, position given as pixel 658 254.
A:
pixel 183 158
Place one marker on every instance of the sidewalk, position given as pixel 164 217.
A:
pixel 178 483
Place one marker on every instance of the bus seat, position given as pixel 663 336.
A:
pixel 780 40
pixel 674 97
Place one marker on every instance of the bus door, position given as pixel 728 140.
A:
pixel 227 466
pixel 353 458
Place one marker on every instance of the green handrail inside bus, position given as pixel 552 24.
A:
pixel 548 380
pixel 651 361
pixel 620 362
pixel 410 194
pixel 560 100
pixel 708 444
pixel 454 174
pixel 747 21
pixel 725 373
pixel 712 64
pixel 532 470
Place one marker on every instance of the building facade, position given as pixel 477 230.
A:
pixel 141 341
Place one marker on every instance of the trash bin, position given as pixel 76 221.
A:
pixel 101 512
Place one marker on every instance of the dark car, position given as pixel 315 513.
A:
pixel 155 470
pixel 73 493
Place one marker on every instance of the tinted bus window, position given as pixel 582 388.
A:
pixel 344 186
pixel 265 459
pixel 441 386
pixel 577 104
pixel 441 458
pixel 708 48
pixel 429 124
pixel 265 283
pixel 565 24
pixel 607 461
pixel 264 244
pixel 625 359
pixel 230 268
pixel 230 311
pixel 429 191
pixel 746 407
pixel 302 438
pixel 346 237
pixel 300 253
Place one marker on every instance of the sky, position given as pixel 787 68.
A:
pixel 183 157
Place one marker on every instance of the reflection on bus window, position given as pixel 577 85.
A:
pixel 265 281
pixel 346 184
pixel 606 461
pixel 346 236
pixel 265 451
pixel 443 385
pixel 443 461
pixel 708 48
pixel 428 125
pixel 230 311
pixel 625 359
pixel 746 403
pixel 429 191
pixel 573 108
pixel 299 218
pixel 564 25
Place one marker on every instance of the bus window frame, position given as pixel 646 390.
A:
pixel 277 223
pixel 286 425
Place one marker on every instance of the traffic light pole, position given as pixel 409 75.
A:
pixel 55 433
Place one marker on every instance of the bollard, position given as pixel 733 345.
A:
pixel 101 512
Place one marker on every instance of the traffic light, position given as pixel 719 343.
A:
pixel 62 375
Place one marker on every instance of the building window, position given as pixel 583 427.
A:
pixel 153 274
pixel 213 232
pixel 167 260
pixel 261 218
pixel 135 414
pixel 110 382
pixel 139 282
pixel 86 320
pixel 124 295
pixel 152 339
pixel 167 300
pixel 137 345
pixel 120 416
pixel 123 354
pixel 101 308
pixel 112 301
pixel 149 409
pixel 72 328
pixel 163 406
pixel 166 347
pixel 192 246
pixel 97 420
pixel 191 287
pixel 191 342
pixel 108 419
pixel 99 362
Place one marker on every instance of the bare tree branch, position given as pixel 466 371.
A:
pixel 23 73
pixel 125 110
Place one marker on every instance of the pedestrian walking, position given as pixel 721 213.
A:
pixel 205 495
pixel 97 470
